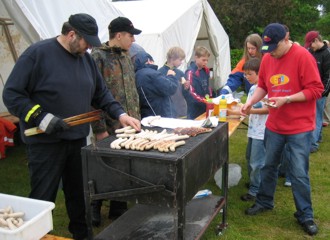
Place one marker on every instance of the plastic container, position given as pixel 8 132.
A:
pixel 223 109
pixel 216 110
pixel 203 193
pixel 38 220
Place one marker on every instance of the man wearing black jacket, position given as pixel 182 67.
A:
pixel 321 52
pixel 55 79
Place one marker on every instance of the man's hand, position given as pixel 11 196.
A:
pixel 126 120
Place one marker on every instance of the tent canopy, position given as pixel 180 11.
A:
pixel 164 24
pixel 184 23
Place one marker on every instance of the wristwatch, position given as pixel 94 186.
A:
pixel 288 99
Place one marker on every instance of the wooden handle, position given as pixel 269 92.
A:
pixel 84 115
pixel 71 121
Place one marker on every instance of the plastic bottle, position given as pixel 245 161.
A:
pixel 223 109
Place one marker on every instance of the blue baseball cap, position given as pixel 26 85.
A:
pixel 272 35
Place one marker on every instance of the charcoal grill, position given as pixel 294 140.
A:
pixel 162 184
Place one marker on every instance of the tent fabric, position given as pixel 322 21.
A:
pixel 44 19
pixel 184 23
pixel 164 24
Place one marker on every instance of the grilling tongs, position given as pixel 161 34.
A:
pixel 71 121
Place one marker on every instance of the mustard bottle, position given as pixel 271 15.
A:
pixel 223 109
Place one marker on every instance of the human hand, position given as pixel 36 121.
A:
pixel 126 120
pixel 245 109
pixel 170 72
pixel 276 102
pixel 52 124
pixel 186 85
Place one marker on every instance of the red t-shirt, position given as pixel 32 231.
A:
pixel 294 72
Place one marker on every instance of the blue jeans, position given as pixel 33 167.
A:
pixel 255 156
pixel 317 133
pixel 283 169
pixel 298 166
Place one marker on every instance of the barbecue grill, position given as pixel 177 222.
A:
pixel 161 184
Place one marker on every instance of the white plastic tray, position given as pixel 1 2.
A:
pixel 38 220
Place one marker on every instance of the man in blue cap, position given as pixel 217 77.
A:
pixel 55 79
pixel 289 75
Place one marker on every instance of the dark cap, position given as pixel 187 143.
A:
pixel 87 27
pixel 272 35
pixel 309 38
pixel 122 24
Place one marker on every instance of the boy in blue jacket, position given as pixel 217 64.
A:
pixel 154 89
pixel 198 75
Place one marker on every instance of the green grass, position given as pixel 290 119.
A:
pixel 277 224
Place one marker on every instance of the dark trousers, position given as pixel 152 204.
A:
pixel 48 163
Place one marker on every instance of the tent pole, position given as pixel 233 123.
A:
pixel 5 22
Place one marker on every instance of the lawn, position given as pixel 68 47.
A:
pixel 277 224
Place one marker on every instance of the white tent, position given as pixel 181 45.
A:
pixel 183 23
pixel 164 24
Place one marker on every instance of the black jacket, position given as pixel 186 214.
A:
pixel 322 57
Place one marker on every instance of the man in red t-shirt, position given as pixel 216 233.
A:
pixel 291 119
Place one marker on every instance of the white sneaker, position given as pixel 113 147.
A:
pixel 287 184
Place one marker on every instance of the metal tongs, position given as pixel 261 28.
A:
pixel 71 121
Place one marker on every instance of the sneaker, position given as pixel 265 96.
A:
pixel 287 184
pixel 255 209
pixel 325 124
pixel 248 197
pixel 310 227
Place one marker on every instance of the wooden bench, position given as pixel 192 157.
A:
pixel 52 237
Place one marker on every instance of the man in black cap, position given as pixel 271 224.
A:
pixel 115 65
pixel 289 75
pixel 55 79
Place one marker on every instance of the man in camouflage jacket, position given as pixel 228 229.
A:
pixel 115 64
pixel 117 69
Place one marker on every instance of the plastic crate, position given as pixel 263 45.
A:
pixel 38 220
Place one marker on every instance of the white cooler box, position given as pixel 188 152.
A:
pixel 38 220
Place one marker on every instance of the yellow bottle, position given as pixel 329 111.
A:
pixel 223 109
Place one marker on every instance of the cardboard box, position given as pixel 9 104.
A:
pixel 38 220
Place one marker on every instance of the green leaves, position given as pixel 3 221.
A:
pixel 241 18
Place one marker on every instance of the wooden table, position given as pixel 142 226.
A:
pixel 52 237
pixel 233 123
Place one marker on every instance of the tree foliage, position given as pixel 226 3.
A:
pixel 243 17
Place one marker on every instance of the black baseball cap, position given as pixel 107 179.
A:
pixel 273 34
pixel 122 24
pixel 87 27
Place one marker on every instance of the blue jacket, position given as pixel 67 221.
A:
pixel 199 87
pixel 179 103
pixel 236 79
pixel 154 88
